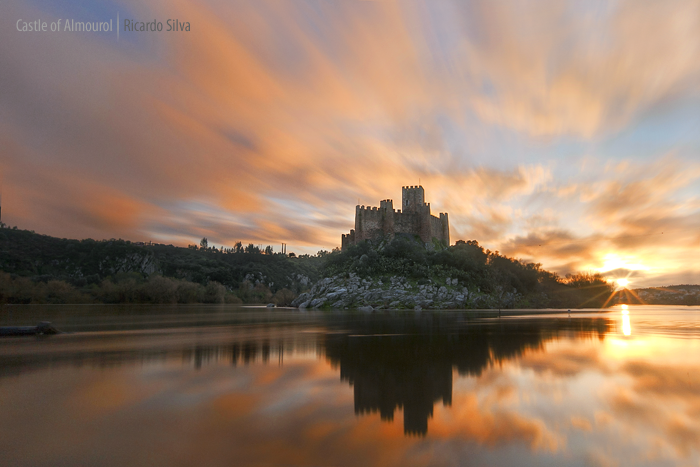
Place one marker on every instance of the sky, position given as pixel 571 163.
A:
pixel 562 133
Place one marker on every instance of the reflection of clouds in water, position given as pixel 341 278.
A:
pixel 634 406
pixel 516 392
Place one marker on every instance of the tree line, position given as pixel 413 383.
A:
pixel 43 269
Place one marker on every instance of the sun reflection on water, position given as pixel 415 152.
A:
pixel 626 328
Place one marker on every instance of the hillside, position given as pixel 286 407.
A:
pixel 86 264
pixel 404 274
pixel 397 274
pixel 670 295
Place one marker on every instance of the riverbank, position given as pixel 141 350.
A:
pixel 341 292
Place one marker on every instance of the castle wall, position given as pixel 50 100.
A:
pixel 406 222
pixel 373 222
pixel 347 240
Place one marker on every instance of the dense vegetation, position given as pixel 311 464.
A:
pixel 43 269
pixel 480 269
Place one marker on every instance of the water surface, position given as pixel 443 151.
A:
pixel 208 385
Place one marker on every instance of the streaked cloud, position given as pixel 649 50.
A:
pixel 271 120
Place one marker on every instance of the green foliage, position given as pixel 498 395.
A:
pixel 86 262
pixel 258 293
pixel 119 271
pixel 476 268
pixel 283 297
pixel 52 270
pixel 23 290
pixel 122 288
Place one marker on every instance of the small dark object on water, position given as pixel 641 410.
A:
pixel 43 328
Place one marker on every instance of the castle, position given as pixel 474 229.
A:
pixel 385 222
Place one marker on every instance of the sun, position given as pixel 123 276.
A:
pixel 622 282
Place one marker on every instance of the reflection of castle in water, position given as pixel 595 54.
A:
pixel 394 372
pixel 408 364
pixel 393 361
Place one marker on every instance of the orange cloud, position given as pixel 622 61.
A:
pixel 271 120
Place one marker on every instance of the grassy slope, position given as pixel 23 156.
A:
pixel 27 254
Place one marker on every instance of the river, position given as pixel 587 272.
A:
pixel 224 385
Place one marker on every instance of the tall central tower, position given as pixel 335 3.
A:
pixel 412 198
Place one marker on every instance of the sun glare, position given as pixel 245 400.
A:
pixel 622 282
pixel 613 261
pixel 626 327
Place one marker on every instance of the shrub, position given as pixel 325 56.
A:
pixel 160 289
pixel 283 297
pixel 214 293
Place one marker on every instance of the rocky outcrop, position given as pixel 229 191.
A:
pixel 145 263
pixel 340 292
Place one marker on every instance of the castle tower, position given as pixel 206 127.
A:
pixel 444 229
pixel 412 198
pixel 386 207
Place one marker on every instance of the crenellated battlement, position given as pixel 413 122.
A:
pixel 413 218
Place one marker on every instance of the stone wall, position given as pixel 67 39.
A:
pixel 369 223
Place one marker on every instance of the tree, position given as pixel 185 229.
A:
pixel 252 249
pixel 238 247
pixel 268 250
pixel 204 244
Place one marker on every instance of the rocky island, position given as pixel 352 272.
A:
pixel 340 292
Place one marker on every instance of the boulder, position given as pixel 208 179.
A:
pixel 300 299
pixel 317 302
pixel 336 293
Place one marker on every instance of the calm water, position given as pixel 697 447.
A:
pixel 230 386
